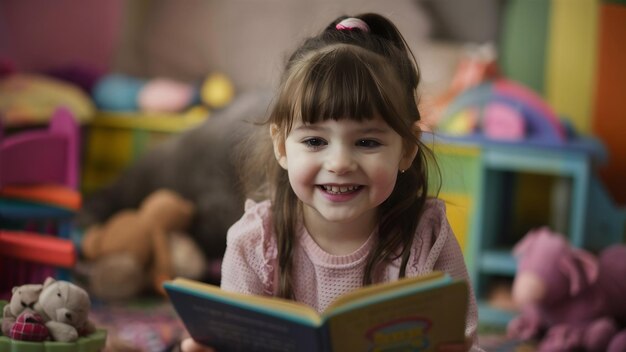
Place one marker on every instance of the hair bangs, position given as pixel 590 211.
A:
pixel 340 85
pixel 344 82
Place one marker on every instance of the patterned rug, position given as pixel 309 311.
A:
pixel 146 325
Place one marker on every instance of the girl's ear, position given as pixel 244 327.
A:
pixel 278 140
pixel 407 158
pixel 410 150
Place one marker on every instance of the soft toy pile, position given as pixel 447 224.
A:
pixel 200 165
pixel 137 248
pixel 56 310
pixel 570 300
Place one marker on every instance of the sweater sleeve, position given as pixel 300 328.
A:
pixel 436 248
pixel 249 260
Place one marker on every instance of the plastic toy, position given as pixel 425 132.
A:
pixel 569 298
pixel 477 66
pixel 31 99
pixel 526 116
pixel 39 195
pixel 165 95
pixel 217 91
pixel 119 92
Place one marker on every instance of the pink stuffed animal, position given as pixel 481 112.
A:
pixel 569 298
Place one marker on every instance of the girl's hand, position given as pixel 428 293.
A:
pixel 190 345
pixel 456 346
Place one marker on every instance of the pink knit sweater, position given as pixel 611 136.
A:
pixel 250 261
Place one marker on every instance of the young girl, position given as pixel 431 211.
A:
pixel 347 203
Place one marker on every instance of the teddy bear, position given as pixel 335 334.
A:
pixel 22 298
pixel 131 251
pixel 64 308
pixel 569 299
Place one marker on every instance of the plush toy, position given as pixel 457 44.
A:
pixel 132 249
pixel 200 165
pixel 23 298
pixel 65 308
pixel 29 326
pixel 569 298
pixel 188 260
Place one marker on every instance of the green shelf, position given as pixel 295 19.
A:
pixel 92 343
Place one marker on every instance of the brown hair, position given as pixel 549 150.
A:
pixel 349 74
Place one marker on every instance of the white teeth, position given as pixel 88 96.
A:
pixel 339 189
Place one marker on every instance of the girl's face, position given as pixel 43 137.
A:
pixel 342 170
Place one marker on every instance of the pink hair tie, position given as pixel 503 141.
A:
pixel 352 23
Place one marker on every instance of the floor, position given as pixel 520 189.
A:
pixel 151 325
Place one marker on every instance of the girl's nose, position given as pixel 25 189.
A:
pixel 340 160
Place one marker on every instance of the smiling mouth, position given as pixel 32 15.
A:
pixel 340 189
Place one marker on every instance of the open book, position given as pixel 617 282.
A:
pixel 411 314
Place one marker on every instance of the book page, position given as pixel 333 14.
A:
pixel 415 322
pixel 377 291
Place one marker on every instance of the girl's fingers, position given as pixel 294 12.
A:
pixel 190 345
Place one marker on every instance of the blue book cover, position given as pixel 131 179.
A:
pixel 411 314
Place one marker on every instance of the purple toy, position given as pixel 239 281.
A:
pixel 569 298
pixel 49 156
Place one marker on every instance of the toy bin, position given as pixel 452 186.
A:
pixel 91 343
pixel 114 140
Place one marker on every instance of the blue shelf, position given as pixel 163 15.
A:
pixel 498 262
pixel 579 206
pixel 489 315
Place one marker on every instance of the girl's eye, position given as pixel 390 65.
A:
pixel 368 143
pixel 314 143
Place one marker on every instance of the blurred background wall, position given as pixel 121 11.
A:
pixel 568 51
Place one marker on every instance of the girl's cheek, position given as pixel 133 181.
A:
pixel 385 182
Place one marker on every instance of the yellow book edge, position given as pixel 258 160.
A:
pixel 266 304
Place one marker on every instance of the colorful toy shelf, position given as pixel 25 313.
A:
pixel 115 140
pixel 511 188
pixel 523 167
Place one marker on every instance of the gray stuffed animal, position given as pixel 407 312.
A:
pixel 199 164
pixel 65 309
